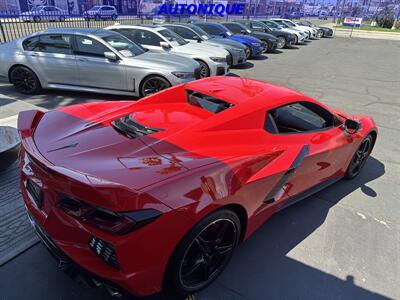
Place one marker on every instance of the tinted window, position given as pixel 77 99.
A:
pixel 123 45
pixel 89 47
pixel 185 33
pixel 235 28
pixel 31 44
pixel 299 117
pixel 144 37
pixel 214 30
pixel 55 43
pixel 172 37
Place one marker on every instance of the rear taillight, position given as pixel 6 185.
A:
pixel 107 220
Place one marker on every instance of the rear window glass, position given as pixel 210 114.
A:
pixel 206 102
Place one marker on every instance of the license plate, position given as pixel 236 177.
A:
pixel 35 191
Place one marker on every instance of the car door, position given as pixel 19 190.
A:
pixel 94 69
pixel 322 146
pixel 52 57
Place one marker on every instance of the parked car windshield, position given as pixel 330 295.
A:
pixel 95 8
pixel 122 44
pixel 201 32
pixel 172 37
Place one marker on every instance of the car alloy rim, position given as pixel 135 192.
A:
pixel 154 85
pixel 281 42
pixel 24 80
pixel 207 254
pixel 361 156
pixel 247 51
pixel 264 46
pixel 203 70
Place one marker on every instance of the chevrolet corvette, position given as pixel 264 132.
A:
pixel 157 194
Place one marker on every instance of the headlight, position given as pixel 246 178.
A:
pixel 256 44
pixel 218 59
pixel 183 75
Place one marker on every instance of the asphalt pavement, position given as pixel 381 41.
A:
pixel 342 243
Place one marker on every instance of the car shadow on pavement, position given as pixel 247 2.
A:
pixel 260 57
pixel 262 266
pixel 245 66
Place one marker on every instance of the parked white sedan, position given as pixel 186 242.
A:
pixel 44 12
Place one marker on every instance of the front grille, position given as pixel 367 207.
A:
pixel 104 250
pixel 197 73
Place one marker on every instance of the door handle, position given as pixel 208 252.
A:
pixel 34 54
pixel 82 59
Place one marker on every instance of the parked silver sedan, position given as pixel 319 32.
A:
pixel 93 60
pixel 212 59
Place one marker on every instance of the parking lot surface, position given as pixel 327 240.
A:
pixel 342 243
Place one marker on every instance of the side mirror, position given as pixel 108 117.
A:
pixel 197 38
pixel 351 126
pixel 165 45
pixel 243 31
pixel 111 56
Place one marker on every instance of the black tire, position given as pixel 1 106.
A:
pixel 264 45
pixel 114 17
pixel 62 19
pixel 248 52
pixel 360 157
pixel 36 19
pixel 204 69
pixel 281 42
pixel 225 224
pixel 296 40
pixel 25 80
pixel 97 18
pixel 153 84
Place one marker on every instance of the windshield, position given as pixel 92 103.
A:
pixel 226 30
pixel 289 23
pixel 172 37
pixel 37 8
pixel 201 32
pixel 124 46
pixel 95 8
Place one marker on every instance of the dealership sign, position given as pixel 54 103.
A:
pixel 352 21
pixel 210 9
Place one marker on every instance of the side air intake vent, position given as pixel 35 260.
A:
pixel 131 128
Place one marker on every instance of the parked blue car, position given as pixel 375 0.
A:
pixel 253 45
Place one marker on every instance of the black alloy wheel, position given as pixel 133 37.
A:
pixel 296 40
pixel 281 42
pixel 24 80
pixel 36 19
pixel 247 50
pixel 153 84
pixel 204 252
pixel 97 17
pixel 360 157
pixel 204 69
pixel 114 17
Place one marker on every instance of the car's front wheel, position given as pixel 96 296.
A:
pixel 264 46
pixel 36 19
pixel 204 69
pixel 204 252
pixel 281 42
pixel 153 84
pixel 114 17
pixel 25 80
pixel 360 157
pixel 247 50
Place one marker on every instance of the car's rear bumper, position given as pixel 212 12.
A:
pixel 142 255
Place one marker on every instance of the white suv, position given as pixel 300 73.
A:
pixel 101 12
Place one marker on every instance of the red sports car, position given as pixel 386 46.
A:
pixel 157 193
